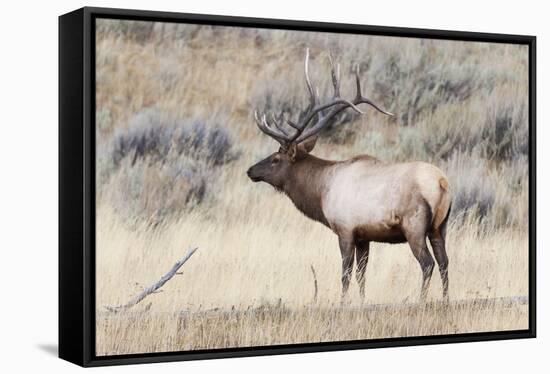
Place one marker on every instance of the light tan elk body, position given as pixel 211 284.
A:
pixel 363 199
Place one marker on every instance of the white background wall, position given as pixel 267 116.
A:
pixel 28 188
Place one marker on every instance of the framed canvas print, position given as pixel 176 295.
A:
pixel 235 186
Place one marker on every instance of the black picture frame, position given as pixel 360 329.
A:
pixel 77 185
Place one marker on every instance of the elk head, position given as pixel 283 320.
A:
pixel 298 138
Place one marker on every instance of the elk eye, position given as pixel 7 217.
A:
pixel 275 160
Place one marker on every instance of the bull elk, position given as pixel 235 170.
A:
pixel 363 199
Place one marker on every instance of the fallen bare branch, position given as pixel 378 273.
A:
pixel 314 283
pixel 154 287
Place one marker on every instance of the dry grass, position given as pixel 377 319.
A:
pixel 259 261
pixel 272 325
pixel 255 249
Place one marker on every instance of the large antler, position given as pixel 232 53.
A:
pixel 315 111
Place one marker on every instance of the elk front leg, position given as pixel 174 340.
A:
pixel 347 248
pixel 362 255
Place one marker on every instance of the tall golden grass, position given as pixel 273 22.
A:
pixel 255 248
pixel 262 261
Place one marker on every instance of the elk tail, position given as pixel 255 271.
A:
pixel 444 206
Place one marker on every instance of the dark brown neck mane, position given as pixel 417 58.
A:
pixel 305 186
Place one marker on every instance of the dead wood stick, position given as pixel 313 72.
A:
pixel 314 284
pixel 154 287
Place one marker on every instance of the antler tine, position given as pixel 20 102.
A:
pixel 312 98
pixel 292 124
pixel 359 98
pixel 264 127
pixel 338 101
pixel 278 125
pixel 317 96
pixel 358 94
pixel 335 73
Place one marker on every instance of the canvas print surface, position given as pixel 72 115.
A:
pixel 260 187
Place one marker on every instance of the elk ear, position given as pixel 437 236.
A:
pixel 292 152
pixel 308 145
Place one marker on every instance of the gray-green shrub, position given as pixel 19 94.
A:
pixel 157 167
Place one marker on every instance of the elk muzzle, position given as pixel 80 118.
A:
pixel 253 174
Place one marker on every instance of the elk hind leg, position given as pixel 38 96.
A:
pixel 362 255
pixel 438 245
pixel 426 261
pixel 415 230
